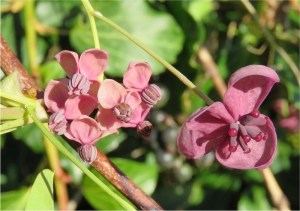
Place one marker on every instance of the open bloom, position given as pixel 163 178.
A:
pixel 137 77
pixel 243 138
pixel 84 71
pixel 86 131
pixel 119 107
pixel 65 107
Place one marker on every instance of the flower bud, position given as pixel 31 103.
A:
pixel 87 153
pixel 144 129
pixel 151 95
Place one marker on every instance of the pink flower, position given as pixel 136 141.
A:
pixel 243 138
pixel 65 107
pixel 137 77
pixel 86 131
pixel 84 71
pixel 119 107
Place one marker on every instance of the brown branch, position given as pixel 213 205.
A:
pixel 211 69
pixel 122 183
pixel 102 164
pixel 10 63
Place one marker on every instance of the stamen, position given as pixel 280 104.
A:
pixel 255 113
pixel 233 131
pixel 233 144
pixel 57 122
pixel 265 136
pixel 244 146
pixel 78 84
pixel 249 120
pixel 123 112
pixel 258 137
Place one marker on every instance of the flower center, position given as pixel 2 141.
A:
pixel 123 112
pixel 57 122
pixel 78 84
pixel 244 130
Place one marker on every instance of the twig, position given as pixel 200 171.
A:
pixel 279 199
pixel 10 63
pixel 122 183
pixel 211 68
pixel 102 164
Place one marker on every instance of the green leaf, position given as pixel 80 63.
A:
pixel 14 200
pixel 54 13
pixel 111 142
pixel 200 9
pixel 157 30
pixel 143 175
pixel 254 199
pixel 51 71
pixel 41 194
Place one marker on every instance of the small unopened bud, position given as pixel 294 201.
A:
pixel 144 129
pixel 151 95
pixel 87 153
pixel 78 84
pixel 123 112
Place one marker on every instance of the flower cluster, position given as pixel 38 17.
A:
pixel 243 138
pixel 72 100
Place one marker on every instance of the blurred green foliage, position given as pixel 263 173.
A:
pixel 175 30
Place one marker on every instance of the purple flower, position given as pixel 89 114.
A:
pixel 243 138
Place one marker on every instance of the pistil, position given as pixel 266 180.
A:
pixel 244 130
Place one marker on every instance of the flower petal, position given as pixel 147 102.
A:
pixel 76 106
pixel 204 130
pixel 137 75
pixel 133 99
pixel 107 120
pixel 85 130
pixel 261 155
pixel 111 93
pixel 93 62
pixel 69 62
pixel 55 95
pixel 247 88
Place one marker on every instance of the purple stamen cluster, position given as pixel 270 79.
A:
pixel 57 122
pixel 78 84
pixel 123 112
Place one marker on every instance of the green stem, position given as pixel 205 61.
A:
pixel 11 125
pixel 63 150
pixel 16 98
pixel 31 36
pixel 173 70
pixel 90 11
pixel 11 113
